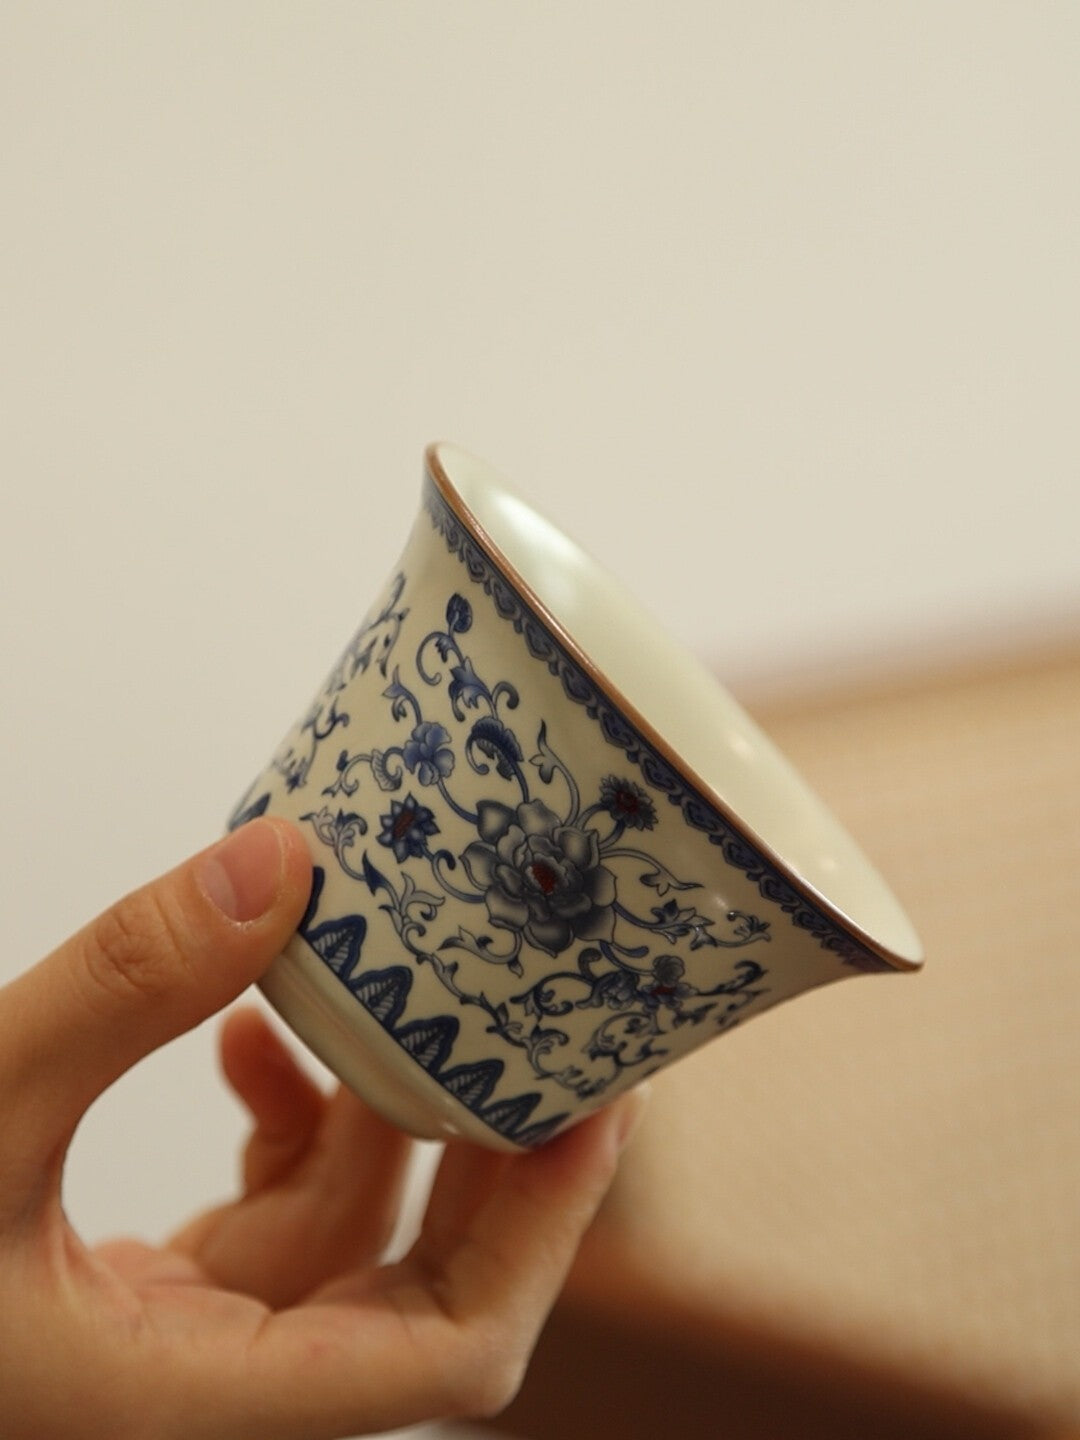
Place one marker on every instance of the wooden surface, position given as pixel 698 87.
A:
pixel 863 1209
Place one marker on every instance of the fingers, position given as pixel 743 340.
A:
pixel 338 1214
pixel 448 1331
pixel 506 1249
pixel 153 966
pixel 285 1104
pixel 323 1178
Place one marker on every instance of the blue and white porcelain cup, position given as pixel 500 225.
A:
pixel 552 854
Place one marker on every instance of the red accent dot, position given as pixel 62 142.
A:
pixel 403 824
pixel 544 875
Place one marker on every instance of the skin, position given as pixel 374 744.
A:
pixel 270 1317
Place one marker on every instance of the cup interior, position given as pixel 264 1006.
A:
pixel 672 698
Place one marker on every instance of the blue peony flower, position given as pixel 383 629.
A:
pixel 427 753
pixel 407 828
pixel 540 877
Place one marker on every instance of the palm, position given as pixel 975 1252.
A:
pixel 322 1181
pixel 290 1270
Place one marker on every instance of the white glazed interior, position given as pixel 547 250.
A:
pixel 701 728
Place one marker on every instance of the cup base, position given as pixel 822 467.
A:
pixel 313 1002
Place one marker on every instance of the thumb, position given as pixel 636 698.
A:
pixel 151 967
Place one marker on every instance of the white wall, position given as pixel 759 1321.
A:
pixel 775 306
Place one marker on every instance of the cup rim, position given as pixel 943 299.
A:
pixel 903 954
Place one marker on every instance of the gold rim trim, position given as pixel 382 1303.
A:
pixel 498 557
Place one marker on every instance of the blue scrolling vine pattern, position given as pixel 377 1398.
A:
pixel 541 874
pixel 620 732
pixel 371 645
pixel 545 870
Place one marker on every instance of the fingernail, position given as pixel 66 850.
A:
pixel 631 1110
pixel 242 874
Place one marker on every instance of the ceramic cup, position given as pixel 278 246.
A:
pixel 552 853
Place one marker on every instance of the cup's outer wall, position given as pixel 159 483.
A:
pixel 510 921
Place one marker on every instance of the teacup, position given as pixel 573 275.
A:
pixel 552 854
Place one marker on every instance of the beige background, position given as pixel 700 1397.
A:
pixel 775 306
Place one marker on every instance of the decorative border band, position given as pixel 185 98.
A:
pixel 619 731
pixel 430 1040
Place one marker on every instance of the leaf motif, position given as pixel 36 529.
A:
pixel 446 970
pixel 663 881
pixel 493 739
pixel 338 942
pixel 748 927
pixel 384 778
pixel 694 1017
pixel 465 688
pixel 348 827
pixel 400 696
pixel 675 924
pixel 376 880
pixel 359 660
pixel 589 957
pixel 544 1042
pixel 422 900
pixel 466 940
pixel 324 823
pixel 545 760
pixel 480 946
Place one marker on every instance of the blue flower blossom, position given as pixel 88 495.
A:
pixel 668 986
pixel 427 754
pixel 628 803
pixel 407 828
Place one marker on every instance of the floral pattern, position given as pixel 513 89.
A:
pixel 407 829
pixel 427 753
pixel 555 878
pixel 656 770
pixel 627 803
pixel 372 644
pixel 532 895
pixel 541 879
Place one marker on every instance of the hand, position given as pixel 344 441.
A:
pixel 271 1317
